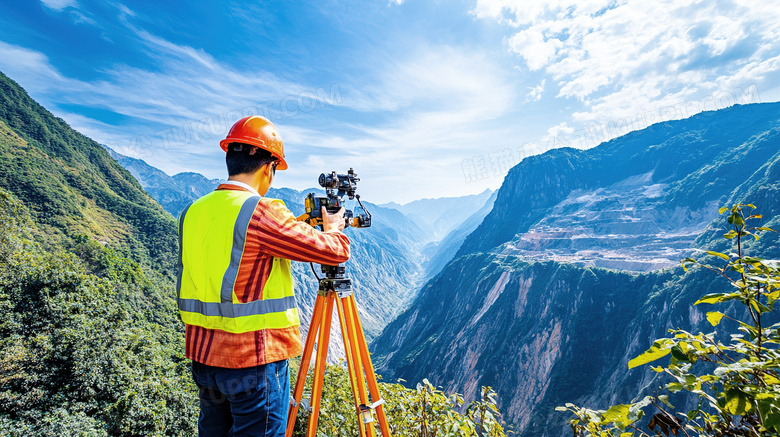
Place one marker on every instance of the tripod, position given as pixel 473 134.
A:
pixel 336 290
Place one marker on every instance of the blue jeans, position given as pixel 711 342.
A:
pixel 246 402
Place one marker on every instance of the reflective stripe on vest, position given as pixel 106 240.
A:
pixel 212 233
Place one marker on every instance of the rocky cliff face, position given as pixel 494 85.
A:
pixel 626 226
pixel 526 306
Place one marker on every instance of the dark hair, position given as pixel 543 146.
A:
pixel 239 160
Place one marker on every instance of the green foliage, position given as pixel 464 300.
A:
pixel 72 186
pixel 424 411
pixel 736 384
pixel 79 353
pixel 90 340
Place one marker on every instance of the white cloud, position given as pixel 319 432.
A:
pixel 537 49
pixel 559 135
pixel 72 9
pixel 429 111
pixel 441 102
pixel 623 57
pixel 189 87
pixel 438 78
pixel 31 67
pixel 417 115
pixel 535 93
pixel 58 5
pixel 559 129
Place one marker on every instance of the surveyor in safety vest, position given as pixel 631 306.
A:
pixel 236 290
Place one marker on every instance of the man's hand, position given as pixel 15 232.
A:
pixel 332 222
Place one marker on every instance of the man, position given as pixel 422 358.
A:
pixel 235 286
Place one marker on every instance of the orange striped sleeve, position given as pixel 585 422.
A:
pixel 280 234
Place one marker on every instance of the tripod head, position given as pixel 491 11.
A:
pixel 335 280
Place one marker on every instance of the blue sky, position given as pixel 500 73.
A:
pixel 422 98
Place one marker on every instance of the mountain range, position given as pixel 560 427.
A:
pixel 442 215
pixel 571 273
pixel 173 193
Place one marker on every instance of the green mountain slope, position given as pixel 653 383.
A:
pixel 89 344
pixel 90 339
pixel 71 185
pixel 543 333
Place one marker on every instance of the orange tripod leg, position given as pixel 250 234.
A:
pixel 355 350
pixel 300 383
pixel 351 361
pixel 361 371
pixel 373 387
pixel 319 366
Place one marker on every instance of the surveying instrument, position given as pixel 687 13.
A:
pixel 335 290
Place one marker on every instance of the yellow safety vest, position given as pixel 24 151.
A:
pixel 212 232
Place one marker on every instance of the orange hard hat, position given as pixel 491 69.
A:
pixel 257 131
